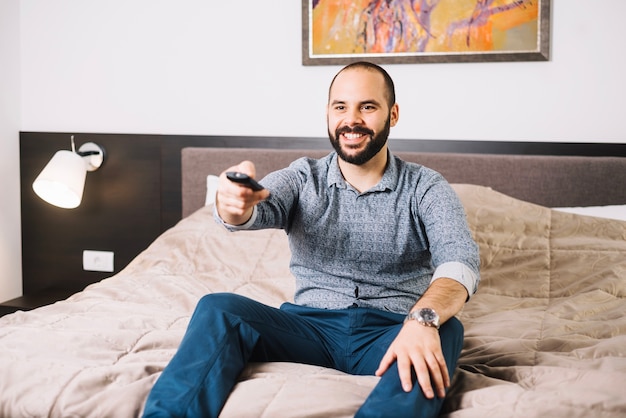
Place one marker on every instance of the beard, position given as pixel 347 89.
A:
pixel 372 147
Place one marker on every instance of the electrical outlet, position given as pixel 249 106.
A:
pixel 98 261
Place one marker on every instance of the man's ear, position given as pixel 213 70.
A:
pixel 394 114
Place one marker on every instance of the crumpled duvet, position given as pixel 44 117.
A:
pixel 544 336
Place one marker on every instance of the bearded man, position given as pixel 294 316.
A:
pixel 382 257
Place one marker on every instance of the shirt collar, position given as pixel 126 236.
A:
pixel 388 182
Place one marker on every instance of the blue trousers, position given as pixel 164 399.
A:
pixel 227 331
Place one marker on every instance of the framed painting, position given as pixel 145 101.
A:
pixel 423 31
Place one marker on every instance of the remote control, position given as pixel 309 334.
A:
pixel 244 180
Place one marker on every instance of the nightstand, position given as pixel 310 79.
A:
pixel 34 300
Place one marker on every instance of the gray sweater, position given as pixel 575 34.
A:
pixel 379 249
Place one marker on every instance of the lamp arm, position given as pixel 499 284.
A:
pixel 93 154
pixel 87 153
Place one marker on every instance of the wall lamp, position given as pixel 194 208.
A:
pixel 62 180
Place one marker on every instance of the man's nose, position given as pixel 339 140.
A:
pixel 353 117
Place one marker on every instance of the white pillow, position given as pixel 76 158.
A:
pixel 609 211
pixel 211 189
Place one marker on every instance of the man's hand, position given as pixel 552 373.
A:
pixel 235 202
pixel 418 347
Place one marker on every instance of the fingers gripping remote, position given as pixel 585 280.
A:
pixel 244 180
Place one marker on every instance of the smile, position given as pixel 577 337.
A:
pixel 352 136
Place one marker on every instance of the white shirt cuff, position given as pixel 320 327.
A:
pixel 460 272
pixel 234 228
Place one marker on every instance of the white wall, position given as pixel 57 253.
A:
pixel 10 243
pixel 206 67
pixel 234 68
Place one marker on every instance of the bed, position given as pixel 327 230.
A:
pixel 544 336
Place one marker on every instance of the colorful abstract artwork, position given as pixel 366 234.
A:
pixel 396 31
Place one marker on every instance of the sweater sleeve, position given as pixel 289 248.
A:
pixel 454 252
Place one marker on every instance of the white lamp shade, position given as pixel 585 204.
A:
pixel 62 180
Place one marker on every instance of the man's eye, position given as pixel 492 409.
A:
pixel 368 107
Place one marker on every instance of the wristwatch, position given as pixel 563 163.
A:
pixel 425 316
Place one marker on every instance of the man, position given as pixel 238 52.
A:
pixel 383 260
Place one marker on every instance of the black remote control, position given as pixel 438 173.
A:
pixel 244 180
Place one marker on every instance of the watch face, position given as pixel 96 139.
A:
pixel 428 315
pixel 425 316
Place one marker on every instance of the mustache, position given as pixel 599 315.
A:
pixel 354 130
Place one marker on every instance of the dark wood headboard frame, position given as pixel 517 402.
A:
pixel 136 195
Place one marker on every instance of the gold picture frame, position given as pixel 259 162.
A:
pixel 424 31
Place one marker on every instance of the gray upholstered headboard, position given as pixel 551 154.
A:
pixel 546 180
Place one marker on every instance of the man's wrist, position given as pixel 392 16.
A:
pixel 232 227
pixel 424 316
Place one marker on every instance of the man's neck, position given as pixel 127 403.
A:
pixel 364 177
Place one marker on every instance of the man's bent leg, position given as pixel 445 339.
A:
pixel 388 399
pixel 221 337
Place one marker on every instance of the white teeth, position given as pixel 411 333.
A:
pixel 352 136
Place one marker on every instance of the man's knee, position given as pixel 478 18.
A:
pixel 229 306
pixel 226 302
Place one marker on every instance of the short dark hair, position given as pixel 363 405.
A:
pixel 365 65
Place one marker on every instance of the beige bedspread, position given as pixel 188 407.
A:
pixel 545 335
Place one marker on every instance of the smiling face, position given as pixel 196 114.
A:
pixel 359 114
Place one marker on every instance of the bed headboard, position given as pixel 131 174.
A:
pixel 546 180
